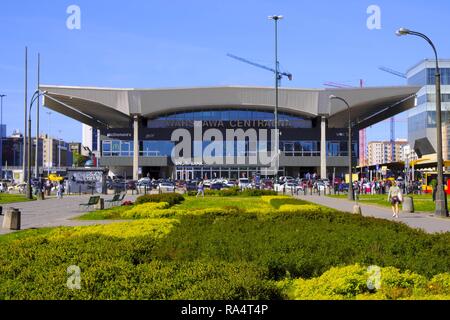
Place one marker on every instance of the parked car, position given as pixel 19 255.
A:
pixel 267 184
pixel 117 185
pixel 207 183
pixel 20 188
pixel 131 184
pixel 230 183
pixel 244 183
pixel 191 186
pixel 216 186
pixel 166 187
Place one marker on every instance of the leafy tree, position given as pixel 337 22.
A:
pixel 79 160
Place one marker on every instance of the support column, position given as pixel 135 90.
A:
pixel 323 148
pixel 136 147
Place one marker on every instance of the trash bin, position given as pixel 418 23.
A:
pixel 408 204
pixel 11 221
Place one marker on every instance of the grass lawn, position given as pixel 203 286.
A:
pixel 11 198
pixel 422 203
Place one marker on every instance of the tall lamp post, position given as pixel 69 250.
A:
pixel 37 94
pixel 351 196
pixel 48 145
pixel 441 199
pixel 59 150
pixel 277 83
pixel 1 135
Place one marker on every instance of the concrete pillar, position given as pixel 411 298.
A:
pixel 12 219
pixel 136 148
pixel 323 148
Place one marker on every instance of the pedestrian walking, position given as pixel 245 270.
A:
pixel 395 197
pixel 60 190
pixel 200 189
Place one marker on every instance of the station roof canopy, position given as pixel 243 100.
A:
pixel 114 108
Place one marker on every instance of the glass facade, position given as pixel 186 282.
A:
pixel 118 148
pixel 445 97
pixel 427 77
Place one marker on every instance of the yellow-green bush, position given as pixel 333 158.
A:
pixel 155 228
pixel 268 199
pixel 288 208
pixel 144 210
pixel 352 282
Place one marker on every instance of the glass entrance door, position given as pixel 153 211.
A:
pixel 185 173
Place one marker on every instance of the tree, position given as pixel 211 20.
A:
pixel 79 160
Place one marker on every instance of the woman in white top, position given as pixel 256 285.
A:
pixel 395 196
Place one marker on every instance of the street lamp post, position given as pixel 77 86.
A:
pixel 441 198
pixel 59 150
pixel 48 145
pixel 37 94
pixel 277 84
pixel 1 135
pixel 351 196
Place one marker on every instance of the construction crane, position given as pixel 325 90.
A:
pixel 362 133
pixel 280 74
pixel 403 76
pixel 337 85
pixel 394 72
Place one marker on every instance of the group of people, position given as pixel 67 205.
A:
pixel 48 186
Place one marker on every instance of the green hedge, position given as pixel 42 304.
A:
pixel 170 198
pixel 233 192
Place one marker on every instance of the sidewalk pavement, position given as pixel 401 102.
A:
pixel 424 221
pixel 54 212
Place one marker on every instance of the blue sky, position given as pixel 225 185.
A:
pixel 148 44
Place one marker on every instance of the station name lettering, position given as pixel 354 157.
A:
pixel 229 124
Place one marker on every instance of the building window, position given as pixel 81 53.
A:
pixel 106 145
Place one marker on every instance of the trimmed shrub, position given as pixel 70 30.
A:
pixel 156 228
pixel 301 208
pixel 144 210
pixel 170 198
pixel 351 282
pixel 268 199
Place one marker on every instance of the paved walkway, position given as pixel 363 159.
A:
pixel 54 212
pixel 424 221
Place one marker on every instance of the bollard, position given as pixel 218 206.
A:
pixel 11 221
pixel 79 190
pixel 100 205
pixel 408 204
pixel 357 209
pixel 41 195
